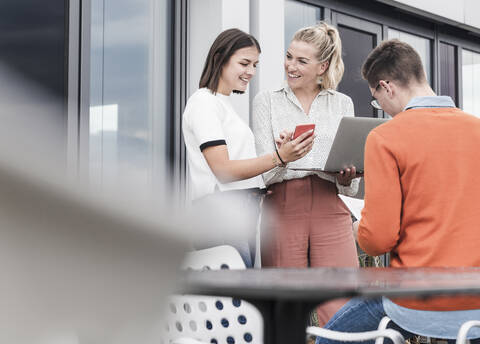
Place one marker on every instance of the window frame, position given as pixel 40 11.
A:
pixel 176 147
pixel 173 153
pixel 433 29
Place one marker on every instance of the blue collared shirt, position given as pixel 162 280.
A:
pixel 425 322
pixel 430 102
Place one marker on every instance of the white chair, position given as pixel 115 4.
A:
pixel 382 325
pixel 209 319
pixel 215 258
pixel 462 333
pixel 378 335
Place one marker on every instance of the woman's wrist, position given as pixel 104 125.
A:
pixel 275 161
pixel 283 162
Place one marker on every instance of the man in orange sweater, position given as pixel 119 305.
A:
pixel 421 194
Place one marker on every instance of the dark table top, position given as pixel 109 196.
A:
pixel 325 283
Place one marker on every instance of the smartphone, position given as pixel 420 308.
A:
pixel 302 128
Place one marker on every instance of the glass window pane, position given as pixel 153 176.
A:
pixel 129 89
pixel 471 82
pixel 298 15
pixel 356 45
pixel 420 44
pixel 448 69
pixel 33 77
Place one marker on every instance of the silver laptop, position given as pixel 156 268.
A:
pixel 349 144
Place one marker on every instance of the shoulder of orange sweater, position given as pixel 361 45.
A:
pixel 393 131
pixel 384 131
pixel 468 116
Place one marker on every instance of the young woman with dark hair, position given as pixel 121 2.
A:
pixel 220 145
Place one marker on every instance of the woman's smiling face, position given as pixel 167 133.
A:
pixel 301 65
pixel 238 71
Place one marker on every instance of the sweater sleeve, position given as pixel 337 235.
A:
pixel 379 227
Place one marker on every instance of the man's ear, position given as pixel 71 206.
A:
pixel 389 87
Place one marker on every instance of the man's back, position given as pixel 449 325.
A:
pixel 420 194
pixel 421 186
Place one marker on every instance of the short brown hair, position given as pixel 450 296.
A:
pixel 224 46
pixel 393 60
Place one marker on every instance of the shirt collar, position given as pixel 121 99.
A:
pixel 430 102
pixel 285 88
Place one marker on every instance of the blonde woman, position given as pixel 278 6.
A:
pixel 308 225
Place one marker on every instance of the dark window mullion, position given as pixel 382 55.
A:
pixel 459 77
pixel 435 67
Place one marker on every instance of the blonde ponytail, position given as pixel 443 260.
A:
pixel 326 40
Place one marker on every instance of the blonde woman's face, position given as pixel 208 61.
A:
pixel 301 66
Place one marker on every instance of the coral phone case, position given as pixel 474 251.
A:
pixel 302 128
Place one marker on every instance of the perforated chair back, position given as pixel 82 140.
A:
pixel 215 258
pixel 211 319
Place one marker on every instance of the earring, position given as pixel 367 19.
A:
pixel 319 80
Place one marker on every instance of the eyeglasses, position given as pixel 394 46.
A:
pixel 374 102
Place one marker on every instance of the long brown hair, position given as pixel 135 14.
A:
pixel 224 46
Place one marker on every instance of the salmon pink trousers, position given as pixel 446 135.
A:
pixel 305 224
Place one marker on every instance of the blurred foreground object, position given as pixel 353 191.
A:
pixel 78 268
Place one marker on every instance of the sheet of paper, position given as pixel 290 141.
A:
pixel 354 205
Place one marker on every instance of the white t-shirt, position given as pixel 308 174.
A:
pixel 210 120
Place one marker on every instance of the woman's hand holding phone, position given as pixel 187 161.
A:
pixel 302 128
pixel 286 136
pixel 283 138
pixel 293 149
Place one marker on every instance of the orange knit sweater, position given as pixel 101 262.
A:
pixel 422 194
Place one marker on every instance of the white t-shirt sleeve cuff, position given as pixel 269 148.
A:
pixel 212 143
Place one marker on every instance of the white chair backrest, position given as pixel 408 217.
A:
pixel 382 325
pixel 395 336
pixel 462 333
pixel 215 258
pixel 211 319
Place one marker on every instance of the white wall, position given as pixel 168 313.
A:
pixel 464 12
pixel 206 19
pixel 267 20
pixel 472 13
